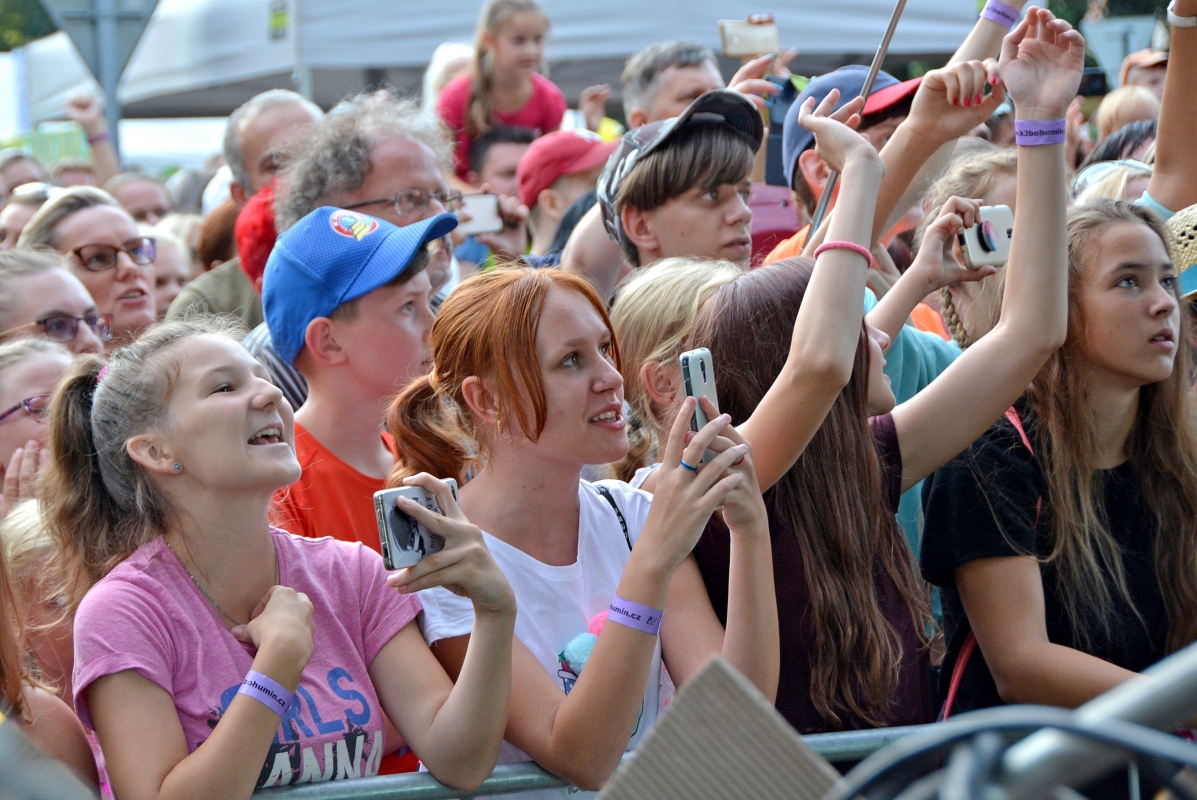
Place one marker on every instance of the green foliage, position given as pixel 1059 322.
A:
pixel 22 21
pixel 1073 10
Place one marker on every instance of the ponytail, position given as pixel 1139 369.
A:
pixel 479 114
pixel 429 435
pixel 99 504
pixel 640 448
pixel 951 318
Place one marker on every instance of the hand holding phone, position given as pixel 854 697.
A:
pixel 988 242
pixel 405 541
pixel 462 564
pixel 480 214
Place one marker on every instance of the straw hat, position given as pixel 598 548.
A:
pixel 1182 229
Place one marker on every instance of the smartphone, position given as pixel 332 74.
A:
pixel 988 242
pixel 698 377
pixel 749 38
pixel 404 540
pixel 484 214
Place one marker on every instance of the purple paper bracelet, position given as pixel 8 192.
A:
pixel 634 615
pixel 999 12
pixel 1031 132
pixel 268 692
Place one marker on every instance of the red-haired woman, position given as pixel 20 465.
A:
pixel 524 392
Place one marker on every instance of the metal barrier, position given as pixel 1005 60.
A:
pixel 509 778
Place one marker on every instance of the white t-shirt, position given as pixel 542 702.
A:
pixel 555 604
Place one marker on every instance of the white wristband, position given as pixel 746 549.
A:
pixel 1177 21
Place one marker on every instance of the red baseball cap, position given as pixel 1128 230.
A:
pixel 557 154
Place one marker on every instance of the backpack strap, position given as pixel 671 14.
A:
pixel 970 641
pixel 610 498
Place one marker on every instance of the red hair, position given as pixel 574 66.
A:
pixel 486 328
pixel 255 233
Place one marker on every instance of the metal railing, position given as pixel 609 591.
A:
pixel 510 778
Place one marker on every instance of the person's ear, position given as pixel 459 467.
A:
pixel 551 205
pixel 660 379
pixel 481 402
pixel 638 117
pixel 320 341
pixel 814 171
pixel 639 227
pixel 238 193
pixel 151 454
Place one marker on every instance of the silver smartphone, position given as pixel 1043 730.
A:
pixel 698 378
pixel 404 540
pixel 988 242
pixel 749 38
pixel 484 214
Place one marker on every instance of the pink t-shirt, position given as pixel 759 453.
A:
pixel 542 113
pixel 147 615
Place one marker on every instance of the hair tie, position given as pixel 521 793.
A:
pixel 100 375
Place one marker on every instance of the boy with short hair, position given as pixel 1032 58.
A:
pixel 680 187
pixel 346 297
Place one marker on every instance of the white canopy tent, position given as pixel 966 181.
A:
pixel 205 57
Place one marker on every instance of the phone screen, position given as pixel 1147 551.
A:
pixel 483 213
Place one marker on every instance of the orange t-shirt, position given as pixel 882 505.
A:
pixel 331 498
pixel 926 318
pixel 787 248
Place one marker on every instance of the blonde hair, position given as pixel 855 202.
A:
pixel 42 228
pixel 652 316
pixel 968 177
pixel 25 537
pixel 447 59
pixel 1123 106
pixel 1113 185
pixel 479 116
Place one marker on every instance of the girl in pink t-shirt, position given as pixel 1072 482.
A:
pixel 504 87
pixel 196 623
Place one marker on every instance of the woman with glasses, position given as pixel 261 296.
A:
pixel 29 372
pixel 39 298
pixel 105 251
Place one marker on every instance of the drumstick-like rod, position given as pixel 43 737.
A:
pixel 834 177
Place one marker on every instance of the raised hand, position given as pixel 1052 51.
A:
pixel 508 243
pixel 951 101
pixel 1042 61
pixel 684 499
pixel 749 81
pixel 281 628
pixel 87 111
pixel 743 507
pixel 20 478
pixel 936 263
pixel 464 567
pixel 836 139
pixel 593 104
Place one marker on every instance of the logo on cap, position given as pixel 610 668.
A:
pixel 355 226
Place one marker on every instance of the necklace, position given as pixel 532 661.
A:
pixel 204 592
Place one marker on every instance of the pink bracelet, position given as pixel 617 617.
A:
pixel 853 246
pixel 99 137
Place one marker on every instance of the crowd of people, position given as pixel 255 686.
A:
pixel 934 481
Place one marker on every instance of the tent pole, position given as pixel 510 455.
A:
pixel 878 58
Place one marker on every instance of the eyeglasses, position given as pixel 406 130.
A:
pixel 63 327
pixel 415 201
pixel 100 257
pixel 35 407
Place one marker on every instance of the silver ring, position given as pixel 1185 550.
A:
pixel 687 466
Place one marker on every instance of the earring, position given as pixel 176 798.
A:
pixel 178 467
pixel 500 426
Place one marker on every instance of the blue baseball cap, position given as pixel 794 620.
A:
pixel 330 257
pixel 887 90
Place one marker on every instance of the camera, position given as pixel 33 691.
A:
pixel 404 540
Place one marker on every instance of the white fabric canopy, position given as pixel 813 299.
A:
pixel 193 48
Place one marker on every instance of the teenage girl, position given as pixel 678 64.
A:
pixel 1065 538
pixel 504 87
pixel 29 372
pixel 196 623
pixel 525 391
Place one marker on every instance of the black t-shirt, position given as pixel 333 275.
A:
pixel 913 702
pixel 985 504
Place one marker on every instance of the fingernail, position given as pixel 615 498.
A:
pixel 953 101
pixel 993 81
pixel 977 99
pixel 967 102
pixel 689 436
pixel 237 631
pixel 738 461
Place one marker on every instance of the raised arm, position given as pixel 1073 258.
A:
pixel 1041 64
pixel 827 328
pixel 985 39
pixel 934 267
pixel 1174 180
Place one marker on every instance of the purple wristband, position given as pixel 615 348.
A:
pixel 634 615
pixel 99 137
pixel 1030 132
pixel 268 692
pixel 999 12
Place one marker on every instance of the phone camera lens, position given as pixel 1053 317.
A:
pixel 985 236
